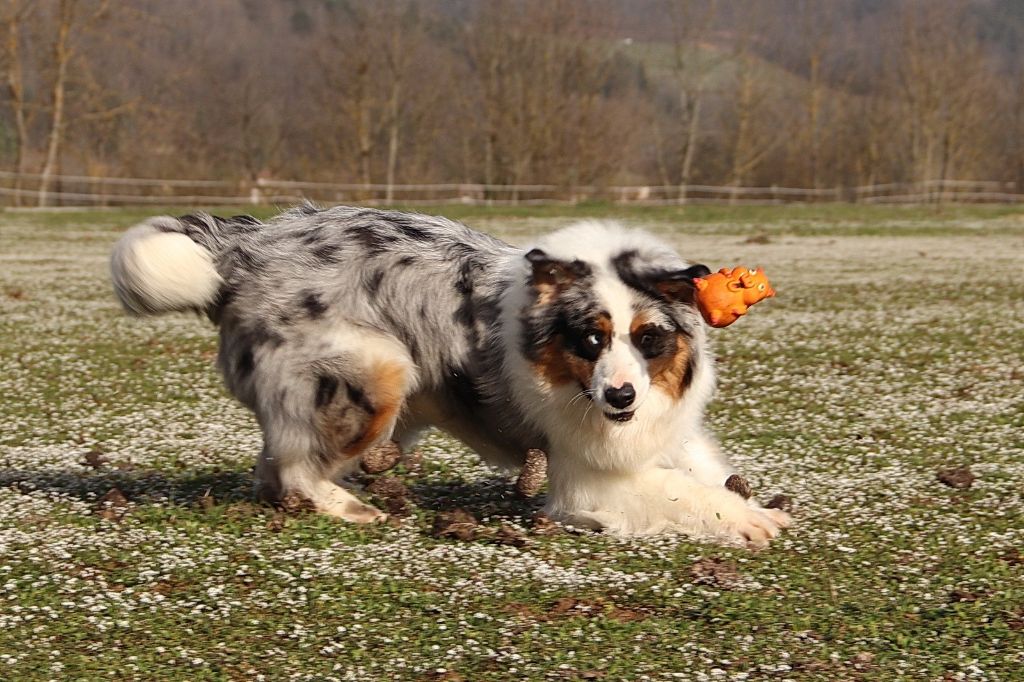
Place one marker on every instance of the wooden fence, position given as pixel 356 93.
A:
pixel 79 190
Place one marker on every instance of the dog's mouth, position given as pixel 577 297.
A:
pixel 620 416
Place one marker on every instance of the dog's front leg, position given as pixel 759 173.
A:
pixel 702 458
pixel 652 501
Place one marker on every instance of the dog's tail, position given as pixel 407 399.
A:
pixel 166 264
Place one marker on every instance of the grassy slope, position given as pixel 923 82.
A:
pixel 892 350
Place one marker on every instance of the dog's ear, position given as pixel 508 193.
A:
pixel 677 285
pixel 550 272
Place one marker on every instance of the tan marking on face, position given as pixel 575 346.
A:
pixel 560 366
pixel 668 371
pixel 640 320
pixel 546 294
pixel 386 389
pixel 550 279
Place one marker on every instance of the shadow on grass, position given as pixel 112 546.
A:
pixel 493 496
pixel 140 487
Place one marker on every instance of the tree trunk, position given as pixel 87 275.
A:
pixel 16 91
pixel 814 118
pixel 692 131
pixel 61 55
pixel 365 146
pixel 740 149
pixel 659 154
pixel 395 63
pixel 364 135
pixel 393 133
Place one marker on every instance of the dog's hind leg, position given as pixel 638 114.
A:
pixel 346 403
pixel 289 468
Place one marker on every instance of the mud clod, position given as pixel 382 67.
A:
pixel 782 502
pixel 715 571
pixel 535 471
pixel 458 524
pixel 393 494
pixel 960 478
pixel 294 503
pixel 381 458
pixel 739 485
pixel 112 506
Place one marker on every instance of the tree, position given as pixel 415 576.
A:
pixel 693 63
pixel 945 81
pixel 541 76
pixel 16 13
pixel 750 145
pixel 72 18
pixel 366 64
pixel 816 41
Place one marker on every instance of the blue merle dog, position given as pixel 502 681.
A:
pixel 344 327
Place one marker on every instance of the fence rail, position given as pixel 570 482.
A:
pixel 25 189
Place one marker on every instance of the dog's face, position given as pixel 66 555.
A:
pixel 611 332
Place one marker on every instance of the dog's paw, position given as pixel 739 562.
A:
pixel 753 526
pixel 333 500
pixel 781 518
pixel 358 512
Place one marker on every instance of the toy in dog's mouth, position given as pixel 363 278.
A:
pixel 620 416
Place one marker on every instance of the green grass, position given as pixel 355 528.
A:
pixel 893 350
pixel 796 219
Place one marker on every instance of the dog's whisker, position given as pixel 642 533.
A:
pixel 586 393
pixel 585 413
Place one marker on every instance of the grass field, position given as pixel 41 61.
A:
pixel 893 350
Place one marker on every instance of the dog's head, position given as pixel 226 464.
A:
pixel 610 317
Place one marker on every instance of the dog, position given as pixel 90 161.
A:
pixel 344 327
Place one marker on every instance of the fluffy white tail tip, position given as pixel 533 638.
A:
pixel 157 271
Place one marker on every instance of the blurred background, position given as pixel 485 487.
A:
pixel 647 101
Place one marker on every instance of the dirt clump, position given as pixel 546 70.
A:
pixel 739 485
pixel 960 478
pixel 457 524
pixel 716 572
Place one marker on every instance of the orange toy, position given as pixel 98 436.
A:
pixel 727 294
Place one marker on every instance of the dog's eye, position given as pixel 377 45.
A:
pixel 651 343
pixel 590 345
pixel 760 287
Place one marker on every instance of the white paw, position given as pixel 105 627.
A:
pixel 334 500
pixel 753 526
pixel 781 518
pixel 358 512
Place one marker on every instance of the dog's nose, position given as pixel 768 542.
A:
pixel 620 397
